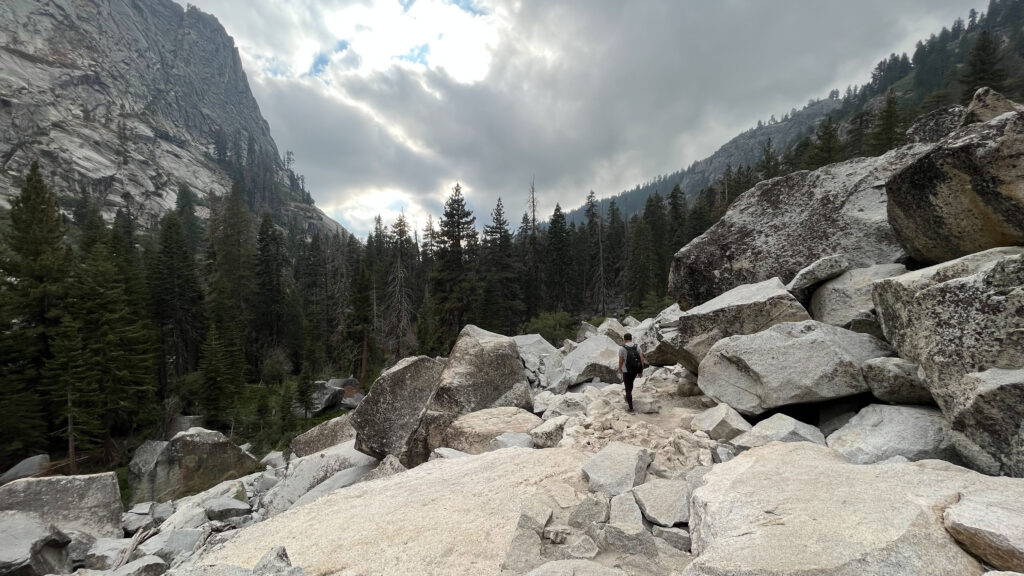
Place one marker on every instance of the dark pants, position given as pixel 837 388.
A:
pixel 627 379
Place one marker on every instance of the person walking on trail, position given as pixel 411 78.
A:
pixel 631 365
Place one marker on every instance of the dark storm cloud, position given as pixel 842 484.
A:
pixel 583 95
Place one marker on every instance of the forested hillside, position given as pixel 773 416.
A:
pixel 940 72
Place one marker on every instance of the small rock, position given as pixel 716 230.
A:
pixel 583 547
pixel 535 515
pixel 593 509
pixel 170 545
pixel 678 538
pixel 276 563
pixel 276 459
pixel 225 507
pixel 720 423
pixel 664 502
pixel 444 452
pixel 512 440
pixel 896 380
pixel 549 433
pixel 388 467
pixel 145 566
pixel 778 428
pixel 557 534
pixel 991 527
pixel 617 468
pixel 817 272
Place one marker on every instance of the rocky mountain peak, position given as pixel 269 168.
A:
pixel 124 101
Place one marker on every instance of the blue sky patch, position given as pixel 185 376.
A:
pixel 321 60
pixel 469 6
pixel 417 54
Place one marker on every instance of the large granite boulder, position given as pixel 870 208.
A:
pixel 389 418
pixel 305 474
pixel 27 468
pixel 879 432
pixel 987 104
pixel 595 357
pixel 791 363
pixel 847 297
pixel 324 435
pixel 962 196
pixel 453 516
pixel 780 226
pixel 481 368
pixel 957 318
pixel 801 509
pixel 190 462
pixel 323 398
pixel 474 433
pixel 743 310
pixel 664 502
pixel 30 546
pixel 90 504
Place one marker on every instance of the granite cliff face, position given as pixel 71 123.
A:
pixel 124 100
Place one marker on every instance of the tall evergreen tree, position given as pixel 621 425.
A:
pixel 558 259
pixel 984 67
pixel 177 301
pixel 270 299
pixel 453 285
pixel 888 133
pixel 827 148
pixel 398 329
pixel 502 305
pixel 191 225
pixel 32 272
pixel 769 166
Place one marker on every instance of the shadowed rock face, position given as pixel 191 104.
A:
pixel 783 225
pixel 963 196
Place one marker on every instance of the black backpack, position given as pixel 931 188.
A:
pixel 634 365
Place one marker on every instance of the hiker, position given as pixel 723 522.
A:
pixel 631 365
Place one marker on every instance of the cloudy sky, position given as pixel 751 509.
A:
pixel 387 103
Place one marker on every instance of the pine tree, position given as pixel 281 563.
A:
pixel 270 298
pixel 32 272
pixel 857 135
pixel 117 348
pixel 677 213
pixel 827 148
pixel 596 276
pixel 558 259
pixel 984 67
pixel 769 166
pixel 74 392
pixel 232 262
pixel 217 393
pixel 398 307
pixel 453 286
pixel 887 134
pixel 177 300
pixel 191 225
pixel 615 240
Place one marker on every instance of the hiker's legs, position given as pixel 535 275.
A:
pixel 627 379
